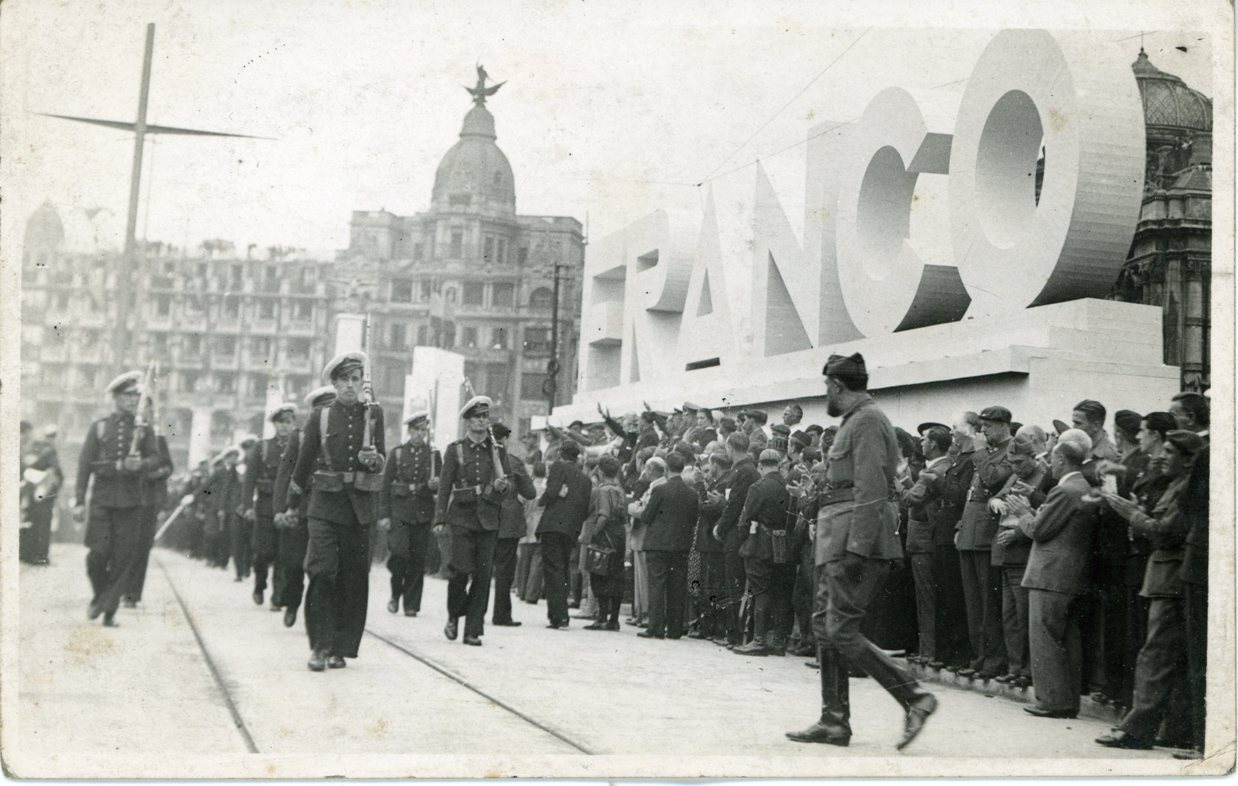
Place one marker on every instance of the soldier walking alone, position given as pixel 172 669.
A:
pixel 347 473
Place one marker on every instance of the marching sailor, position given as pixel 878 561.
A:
pixel 406 508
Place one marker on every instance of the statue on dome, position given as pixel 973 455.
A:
pixel 481 92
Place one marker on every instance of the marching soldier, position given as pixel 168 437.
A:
pixel 342 450
pixel 222 494
pixel 512 527
pixel 406 509
pixel 154 498
pixel 261 467
pixel 855 544
pixel 240 532
pixel 473 482
pixel 293 520
pixel 116 453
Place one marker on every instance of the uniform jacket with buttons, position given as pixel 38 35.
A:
pixel 261 468
pixel 107 444
pixel 766 504
pixel 345 434
pixel 221 496
pixel 406 496
pixel 955 485
pixel 978 524
pixel 470 465
pixel 864 458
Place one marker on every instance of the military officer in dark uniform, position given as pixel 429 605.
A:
pixel 472 489
pixel 114 526
pixel 512 527
pixel 347 475
pixel 406 510
pixel 856 540
pixel 770 575
pixel 221 497
pixel 154 498
pixel 261 467
pixel 293 521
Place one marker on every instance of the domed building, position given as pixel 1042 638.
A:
pixel 472 276
pixel 1170 261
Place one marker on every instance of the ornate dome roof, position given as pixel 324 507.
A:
pixel 475 173
pixel 1167 101
pixel 44 230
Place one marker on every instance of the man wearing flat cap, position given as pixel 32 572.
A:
pixel 471 490
pixel 293 521
pixel 346 469
pixel 566 503
pixel 856 541
pixel 257 492
pixel 982 584
pixel 406 511
pixel 116 453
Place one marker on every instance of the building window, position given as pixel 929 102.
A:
pixel 225 346
pixel 163 305
pixel 397 335
pixel 266 309
pixel 460 200
pixel 417 252
pixel 160 344
pixel 232 306
pixel 488 252
pixel 427 288
pixel 457 243
pixel 537 339
pixel 257 385
pixel 193 344
pixel 531 386
pixel 234 283
pixel 305 312
pixel 468 337
pixel 221 424
pixel 189 381
pixel 522 255
pixel 473 293
pixel 401 290
pixel 271 283
pixel 298 348
pixel 423 335
pixel 541 298
pixel 499 338
pixel 225 383
pixel 261 349
pixel 501 251
pixel 504 295
pixel 498 379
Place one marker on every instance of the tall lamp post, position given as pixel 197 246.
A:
pixel 551 384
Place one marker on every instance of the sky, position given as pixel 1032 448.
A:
pixel 610 109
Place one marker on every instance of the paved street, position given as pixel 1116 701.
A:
pixel 199 680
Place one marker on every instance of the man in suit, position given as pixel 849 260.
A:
pixel 1058 577
pixel 769 582
pixel 512 527
pixel 114 526
pixel 953 645
pixel 257 493
pixel 566 500
pixel 729 532
pixel 347 473
pixel 293 522
pixel 856 540
pixel 475 478
pixel 923 500
pixel 669 520
pixel 406 510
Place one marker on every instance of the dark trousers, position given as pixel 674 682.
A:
pixel 534 585
pixel 1014 620
pixel 290 578
pixel 504 576
pixel 608 602
pixel 265 542
pixel 1056 648
pixel 557 549
pixel 802 594
pixel 407 562
pixel 668 592
pixel 113 536
pixel 982 594
pixel 950 626
pixel 524 561
pixel 137 577
pixel 926 603
pixel 706 606
pixel 468 582
pixel 35 541
pixel 240 542
pixel 1160 670
pixel 1195 606
pixel 843 598
pixel 337 560
pixel 733 577
pixel 770 586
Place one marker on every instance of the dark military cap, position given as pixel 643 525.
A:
pixel 500 431
pixel 845 366
pixel 1188 443
pixel 996 414
pixel 1128 421
pixel 923 427
pixel 576 423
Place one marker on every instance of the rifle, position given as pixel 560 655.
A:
pixel 433 399
pixel 139 418
pixel 185 503
pixel 367 388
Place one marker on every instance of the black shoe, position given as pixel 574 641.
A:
pixel 559 625
pixel 393 605
pixel 472 641
pixel 318 661
pixel 336 662
pixel 275 606
pixel 451 629
pixel 599 625
pixel 1006 678
pixel 93 611
pixel 238 579
pixel 822 732
pixel 258 598
pixel 1120 739
pixel 508 624
pixel 410 612
pixel 612 625
pixel 1041 712
pixel 290 616
pixel 966 672
pixel 109 620
pixel 644 634
pixel 917 716
pixel 936 664
pixel 130 603
pixel 754 647
pixel 1022 683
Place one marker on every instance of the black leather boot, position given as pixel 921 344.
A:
pixel 899 682
pixel 834 727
